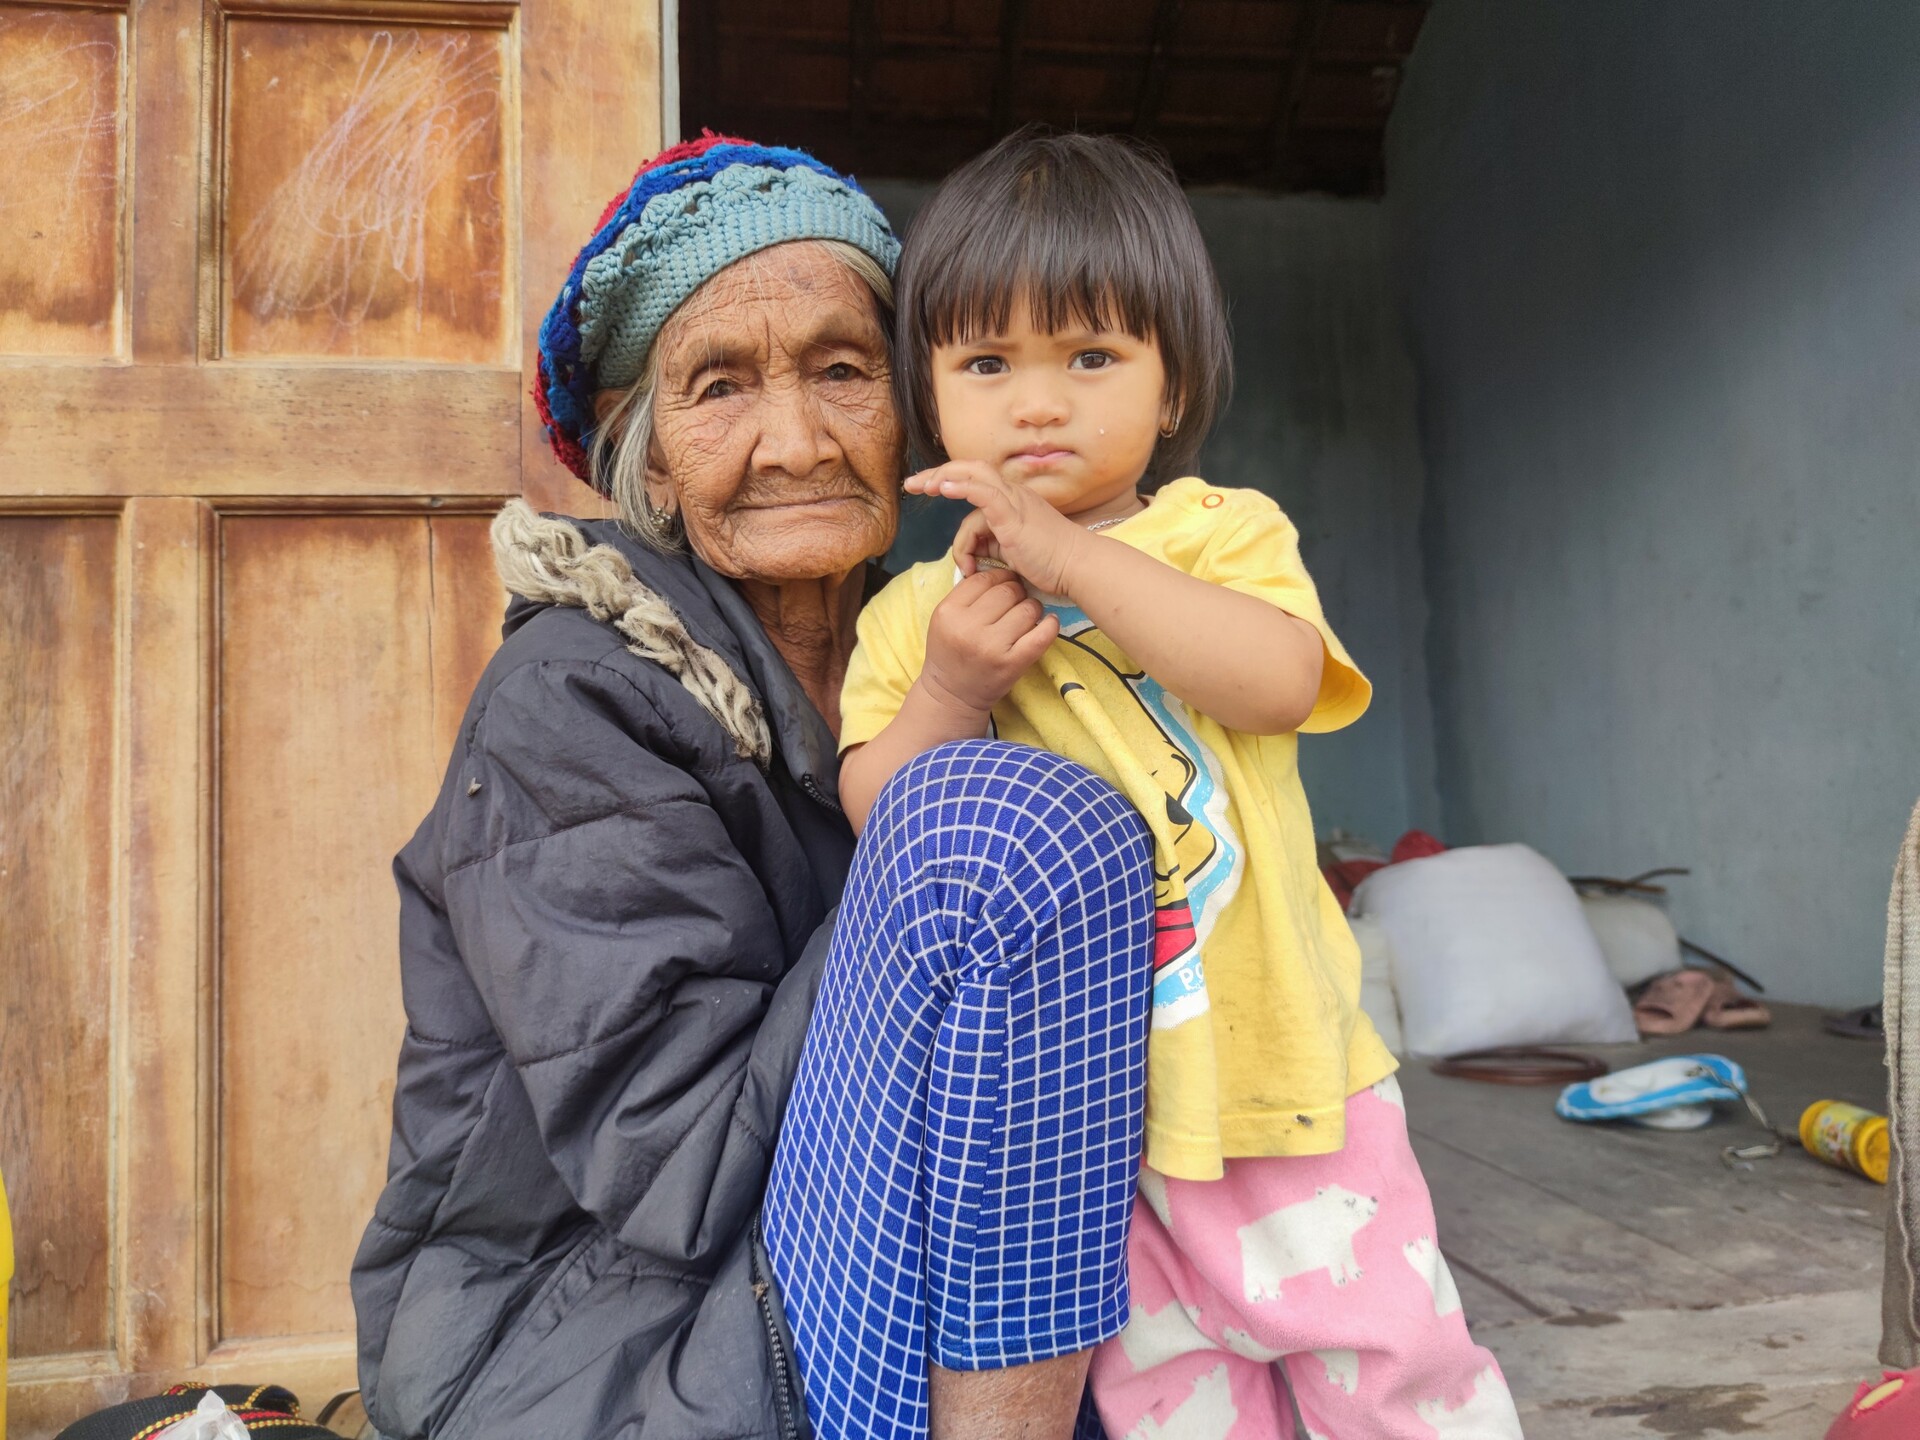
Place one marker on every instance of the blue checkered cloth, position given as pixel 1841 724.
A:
pixel 957 1164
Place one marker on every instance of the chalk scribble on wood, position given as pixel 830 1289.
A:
pixel 59 202
pixel 366 191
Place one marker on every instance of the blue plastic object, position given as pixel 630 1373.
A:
pixel 1657 1085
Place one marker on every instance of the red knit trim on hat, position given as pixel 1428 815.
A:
pixel 572 454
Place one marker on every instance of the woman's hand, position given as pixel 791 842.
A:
pixel 982 638
pixel 1009 523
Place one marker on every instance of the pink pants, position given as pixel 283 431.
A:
pixel 1318 1274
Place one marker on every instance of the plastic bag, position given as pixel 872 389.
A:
pixel 1490 947
pixel 1637 938
pixel 212 1420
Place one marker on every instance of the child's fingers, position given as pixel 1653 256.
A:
pixel 1010 610
pixel 975 542
pixel 949 479
pixel 1030 646
pixel 1019 619
pixel 924 482
pixel 966 480
pixel 996 603
pixel 970 541
pixel 968 594
pixel 997 599
pixel 983 490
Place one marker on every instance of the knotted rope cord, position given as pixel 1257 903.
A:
pixel 1900 1011
pixel 550 561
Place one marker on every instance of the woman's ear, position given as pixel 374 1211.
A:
pixel 660 492
pixel 605 402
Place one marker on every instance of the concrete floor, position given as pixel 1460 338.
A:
pixel 1630 1282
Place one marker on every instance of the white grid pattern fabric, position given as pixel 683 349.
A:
pixel 956 1166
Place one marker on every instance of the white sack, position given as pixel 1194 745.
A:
pixel 1637 938
pixel 1491 947
pixel 1376 981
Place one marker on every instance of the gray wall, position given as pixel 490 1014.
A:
pixel 1323 420
pixel 1661 264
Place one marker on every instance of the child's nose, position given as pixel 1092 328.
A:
pixel 1038 403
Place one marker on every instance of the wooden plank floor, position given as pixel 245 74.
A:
pixel 1631 1283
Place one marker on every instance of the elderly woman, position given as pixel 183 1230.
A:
pixel 617 918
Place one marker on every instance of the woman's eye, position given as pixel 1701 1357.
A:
pixel 718 390
pixel 1092 360
pixel 986 365
pixel 841 370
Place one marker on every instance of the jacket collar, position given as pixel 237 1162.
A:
pixel 705 604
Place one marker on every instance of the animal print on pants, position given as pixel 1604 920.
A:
pixel 1319 1273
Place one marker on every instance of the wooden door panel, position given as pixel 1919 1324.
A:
pixel 60 134
pixel 271 430
pixel 371 217
pixel 269 287
pixel 329 756
pixel 56 921
pixel 467 605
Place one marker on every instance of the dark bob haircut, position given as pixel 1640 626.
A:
pixel 1087 229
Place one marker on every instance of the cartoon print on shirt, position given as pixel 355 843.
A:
pixel 1117 700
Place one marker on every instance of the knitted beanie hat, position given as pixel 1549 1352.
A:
pixel 690 212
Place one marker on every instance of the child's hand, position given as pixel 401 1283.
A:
pixel 1009 523
pixel 982 637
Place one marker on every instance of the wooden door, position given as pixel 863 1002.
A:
pixel 270 274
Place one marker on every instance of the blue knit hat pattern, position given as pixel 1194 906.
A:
pixel 689 214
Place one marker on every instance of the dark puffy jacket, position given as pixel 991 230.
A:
pixel 611 931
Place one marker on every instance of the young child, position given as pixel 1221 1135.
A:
pixel 1063 342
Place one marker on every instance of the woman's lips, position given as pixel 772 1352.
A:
pixel 808 502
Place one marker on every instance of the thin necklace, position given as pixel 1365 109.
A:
pixel 1110 523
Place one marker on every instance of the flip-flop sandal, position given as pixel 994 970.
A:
pixel 1728 1009
pixel 1673 1003
pixel 1680 1117
pixel 1687 1083
pixel 1866 1023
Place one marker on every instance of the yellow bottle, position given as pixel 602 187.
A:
pixel 1847 1136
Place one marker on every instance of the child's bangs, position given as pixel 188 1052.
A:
pixel 1084 284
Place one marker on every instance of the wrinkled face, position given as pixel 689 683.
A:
pixel 775 437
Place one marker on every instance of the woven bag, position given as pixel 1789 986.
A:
pixel 270 1411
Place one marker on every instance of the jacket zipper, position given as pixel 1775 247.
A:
pixel 812 787
pixel 782 1377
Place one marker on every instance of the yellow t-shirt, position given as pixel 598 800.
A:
pixel 1258 1037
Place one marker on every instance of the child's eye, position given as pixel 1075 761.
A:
pixel 986 365
pixel 1091 360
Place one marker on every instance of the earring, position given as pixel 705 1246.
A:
pixel 1170 429
pixel 664 523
